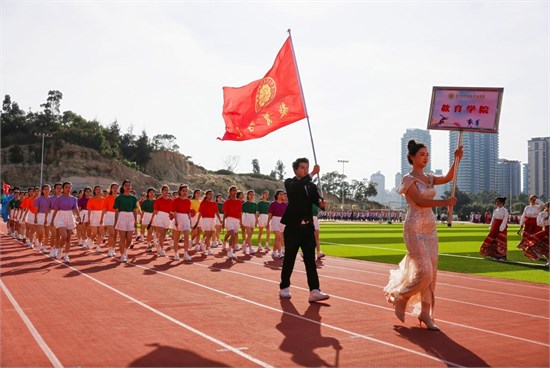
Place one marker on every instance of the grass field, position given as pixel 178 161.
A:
pixel 458 249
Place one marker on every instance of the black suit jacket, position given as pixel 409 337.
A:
pixel 302 194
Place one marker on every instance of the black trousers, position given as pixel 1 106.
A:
pixel 296 237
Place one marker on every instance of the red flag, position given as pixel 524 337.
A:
pixel 5 187
pixel 265 105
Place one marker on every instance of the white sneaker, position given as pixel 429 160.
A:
pixel 111 252
pixel 316 295
pixel 66 258
pixel 37 246
pixel 177 257
pixel 52 253
pixel 44 249
pixel 98 249
pixel 58 254
pixel 246 251
pixel 186 257
pixel 230 254
pixel 275 255
pixel 123 258
pixel 285 293
pixel 252 251
pixel 267 249
pixel 197 248
pixel 260 249
pixel 80 242
pixel 209 252
pixel 162 253
pixel 320 255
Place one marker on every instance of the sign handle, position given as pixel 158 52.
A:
pixel 455 173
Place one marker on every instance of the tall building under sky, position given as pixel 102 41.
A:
pixel 478 168
pixel 539 166
pixel 380 180
pixel 525 178
pixel 508 178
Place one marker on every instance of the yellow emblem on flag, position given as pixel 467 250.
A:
pixel 251 126
pixel 267 119
pixel 265 93
pixel 283 110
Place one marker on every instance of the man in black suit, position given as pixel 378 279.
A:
pixel 299 230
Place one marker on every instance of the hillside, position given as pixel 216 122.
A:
pixel 84 166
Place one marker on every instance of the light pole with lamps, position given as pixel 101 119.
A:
pixel 342 182
pixel 43 135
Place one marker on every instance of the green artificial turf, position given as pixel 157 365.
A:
pixel 458 248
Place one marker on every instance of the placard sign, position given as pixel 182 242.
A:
pixel 466 109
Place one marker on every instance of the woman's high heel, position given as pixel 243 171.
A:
pixel 428 322
pixel 400 306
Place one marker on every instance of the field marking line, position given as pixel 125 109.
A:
pixel 34 332
pixel 440 273
pixel 368 304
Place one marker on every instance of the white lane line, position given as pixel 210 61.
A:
pixel 351 333
pixel 173 320
pixel 371 305
pixel 40 341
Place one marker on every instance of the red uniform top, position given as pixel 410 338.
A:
pixel 233 208
pixel 109 203
pixel 164 205
pixel 182 205
pixel 30 205
pixel 208 209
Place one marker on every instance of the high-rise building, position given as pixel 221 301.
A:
pixel 380 180
pixel 398 178
pixel 525 177
pixel 420 135
pixel 508 178
pixel 539 166
pixel 478 168
pixel 440 189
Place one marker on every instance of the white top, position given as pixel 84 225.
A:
pixel 531 211
pixel 542 219
pixel 500 214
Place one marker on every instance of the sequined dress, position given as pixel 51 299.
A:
pixel 415 278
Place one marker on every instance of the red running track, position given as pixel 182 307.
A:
pixel 156 312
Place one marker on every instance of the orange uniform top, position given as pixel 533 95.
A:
pixel 96 204
pixel 30 205
pixel 109 203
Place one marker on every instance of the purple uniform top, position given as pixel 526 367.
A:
pixel 52 201
pixel 277 209
pixel 83 203
pixel 42 204
pixel 65 203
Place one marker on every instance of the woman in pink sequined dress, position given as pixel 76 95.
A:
pixel 413 283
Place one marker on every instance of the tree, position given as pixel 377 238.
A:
pixel 332 182
pixel 142 149
pixel 273 174
pixel 231 162
pixel 255 166
pixel 462 199
pixel 16 154
pixel 165 142
pixel 280 170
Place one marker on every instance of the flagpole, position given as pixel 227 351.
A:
pixel 305 108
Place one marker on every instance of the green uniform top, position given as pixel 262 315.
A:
pixel 14 203
pixel 250 207
pixel 125 203
pixel 315 210
pixel 147 205
pixel 263 206
pixel 220 208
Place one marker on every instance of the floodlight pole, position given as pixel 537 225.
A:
pixel 43 135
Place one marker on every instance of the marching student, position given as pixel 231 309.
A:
pixel 23 210
pixel 95 207
pixel 63 218
pixel 276 211
pixel 108 218
pixel 14 208
pixel 528 222
pixel 162 208
pixel 126 208
pixel 182 222
pixel 216 238
pixel 495 244
pixel 82 229
pixel 31 216
pixel 42 204
pixel 240 197
pixel 53 234
pixel 196 233
pixel 147 208
pixel 232 209
pixel 208 211
pixel 249 221
pixel 535 246
pixel 263 221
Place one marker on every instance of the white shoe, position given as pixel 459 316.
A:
pixel 285 293
pixel 186 257
pixel 58 254
pixel 197 248
pixel 316 295
pixel 275 255
pixel 123 258
pixel 98 249
pixel 111 252
pixel 177 257
pixel 209 252
pixel 162 253
pixel 37 246
pixel 252 251
pixel 80 242
pixel 52 253
pixel 230 254
pixel 44 249
pixel 66 258
pixel 260 249
pixel 267 249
